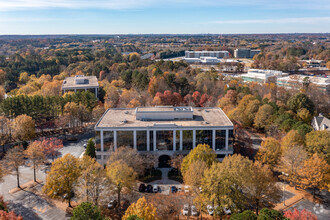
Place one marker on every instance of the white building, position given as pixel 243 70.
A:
pixel 81 83
pixel 199 54
pixel 245 53
pixel 163 131
pixel 321 123
pixel 262 76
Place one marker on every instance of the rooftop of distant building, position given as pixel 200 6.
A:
pixel 80 82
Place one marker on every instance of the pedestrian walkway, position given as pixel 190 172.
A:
pixel 165 183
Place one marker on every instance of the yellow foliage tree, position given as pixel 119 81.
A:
pixel 62 178
pixel 35 153
pixel 270 152
pixel 304 115
pixel 141 209
pixel 23 128
pixel 315 174
pixel 292 138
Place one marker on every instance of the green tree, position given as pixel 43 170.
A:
pixel 300 101
pixel 246 215
pixel 270 152
pixel 202 152
pixel 304 115
pixel 90 148
pixel 319 142
pixel 86 211
pixel 270 214
pixel 62 178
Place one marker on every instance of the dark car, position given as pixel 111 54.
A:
pixel 149 188
pixel 173 189
pixel 142 187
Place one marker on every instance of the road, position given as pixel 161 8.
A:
pixel 29 204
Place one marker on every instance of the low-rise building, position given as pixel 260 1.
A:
pixel 321 123
pixel 81 83
pixel 245 53
pixel 163 131
pixel 296 81
pixel 262 76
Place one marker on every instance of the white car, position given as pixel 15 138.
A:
pixel 210 209
pixel 194 211
pixel 185 210
pixel 155 189
pixel 186 189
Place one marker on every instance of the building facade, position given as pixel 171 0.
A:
pixel 81 83
pixel 199 54
pixel 245 53
pixel 262 76
pixel 163 131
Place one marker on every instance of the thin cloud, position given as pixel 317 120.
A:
pixel 11 5
pixel 305 20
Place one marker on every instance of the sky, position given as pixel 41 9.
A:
pixel 163 16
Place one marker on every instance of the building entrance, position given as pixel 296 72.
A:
pixel 164 161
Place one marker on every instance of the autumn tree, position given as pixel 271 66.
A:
pixel 314 174
pixel 291 139
pixel 202 152
pixel 121 176
pixel 131 157
pixel 23 128
pixel 71 110
pixel 176 161
pixel 304 115
pixel 194 174
pixel 2 172
pixel 142 210
pixel 63 178
pixel 92 184
pixel 263 116
pixel 51 146
pixel 319 142
pixel 291 162
pixel 86 210
pixel 9 215
pixel 36 155
pixel 300 101
pixel 299 215
pixel 90 148
pixel 270 152
pixel 13 159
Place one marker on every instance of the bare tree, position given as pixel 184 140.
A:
pixel 14 159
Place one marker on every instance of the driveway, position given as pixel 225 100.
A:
pixel 166 183
pixel 29 204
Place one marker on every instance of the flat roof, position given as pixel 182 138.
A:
pixel 126 118
pixel 70 82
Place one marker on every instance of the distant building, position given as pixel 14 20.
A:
pixel 315 63
pixel 163 131
pixel 81 83
pixel 262 76
pixel 199 54
pixel 321 123
pixel 245 53
pixel 294 81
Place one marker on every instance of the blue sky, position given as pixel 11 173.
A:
pixel 163 16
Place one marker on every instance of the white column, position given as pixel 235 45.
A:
pixel 134 138
pixel 102 147
pixel 155 149
pixel 174 140
pixel 227 135
pixel 213 139
pixel 115 140
pixel 148 140
pixel 75 90
pixel 85 89
pixel 194 138
pixel 181 142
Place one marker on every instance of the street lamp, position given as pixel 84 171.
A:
pixel 285 174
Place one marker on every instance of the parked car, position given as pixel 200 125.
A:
pixel 149 188
pixel 227 211
pixel 112 204
pixel 210 209
pixel 194 210
pixel 85 145
pixel 155 189
pixel 142 187
pixel 186 189
pixel 173 189
pixel 185 210
pixel 179 189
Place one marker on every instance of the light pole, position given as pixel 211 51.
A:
pixel 285 174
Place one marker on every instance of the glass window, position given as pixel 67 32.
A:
pixel 164 140
pixel 125 139
pixel 204 137
pixel 230 139
pixel 98 141
pixel 177 140
pixel 151 136
pixel 98 157
pixel 141 140
pixel 108 140
pixel 187 140
pixel 220 139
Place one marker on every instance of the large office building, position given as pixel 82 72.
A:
pixel 199 54
pixel 81 83
pixel 262 76
pixel 163 131
pixel 245 53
